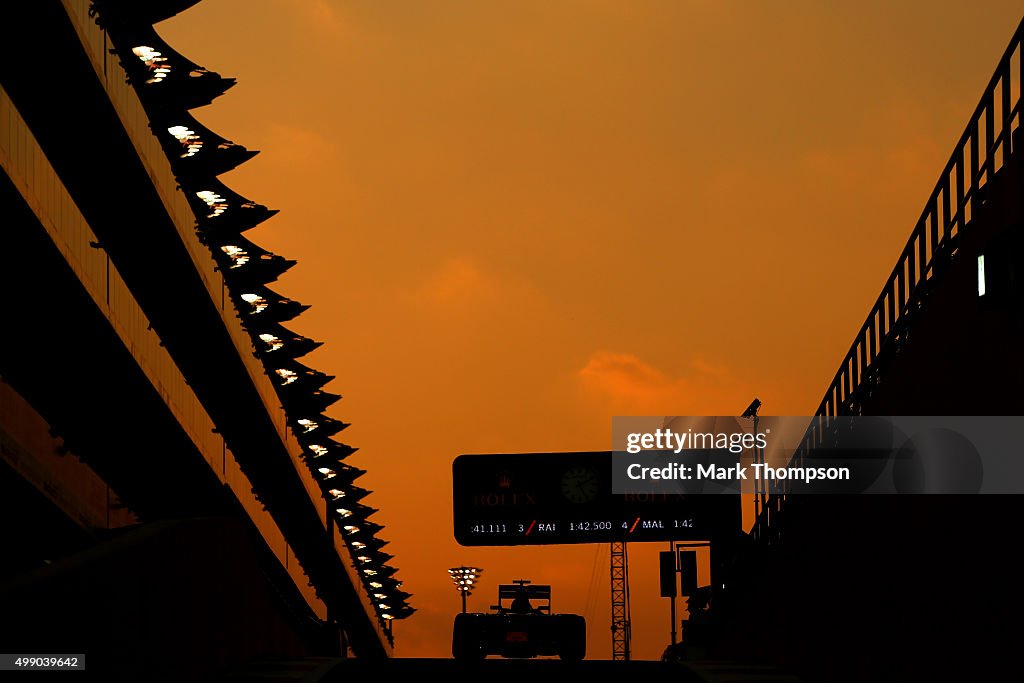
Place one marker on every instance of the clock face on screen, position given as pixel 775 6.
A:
pixel 579 484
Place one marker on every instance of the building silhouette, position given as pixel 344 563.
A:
pixel 169 480
pixel 911 587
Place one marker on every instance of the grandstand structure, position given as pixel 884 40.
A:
pixel 169 470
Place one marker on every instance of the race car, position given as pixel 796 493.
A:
pixel 518 629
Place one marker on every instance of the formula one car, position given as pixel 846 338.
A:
pixel 518 629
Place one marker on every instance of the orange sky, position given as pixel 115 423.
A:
pixel 515 220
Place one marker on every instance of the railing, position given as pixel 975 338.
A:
pixel 985 146
pixel 981 151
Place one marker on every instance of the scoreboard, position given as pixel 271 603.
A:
pixel 546 498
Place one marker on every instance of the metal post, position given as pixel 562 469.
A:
pixel 751 412
pixel 672 549
pixel 758 502
pixel 463 601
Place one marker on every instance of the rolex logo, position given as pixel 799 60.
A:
pixel 504 480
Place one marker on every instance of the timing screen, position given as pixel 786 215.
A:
pixel 546 498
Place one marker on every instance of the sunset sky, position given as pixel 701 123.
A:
pixel 516 219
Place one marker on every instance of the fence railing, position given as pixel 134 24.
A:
pixel 984 148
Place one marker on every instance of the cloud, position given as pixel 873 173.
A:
pixel 457 281
pixel 322 16
pixel 631 386
pixel 460 286
pixel 289 144
pixel 625 376
pixel 910 147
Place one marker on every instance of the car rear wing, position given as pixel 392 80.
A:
pixel 512 591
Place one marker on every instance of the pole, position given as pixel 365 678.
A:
pixel 463 601
pixel 758 502
pixel 672 549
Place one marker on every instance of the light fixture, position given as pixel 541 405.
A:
pixel 464 579
pixel 759 492
pixel 287 377
pixel 154 61
pixel 752 409
pixel 188 139
pixel 258 303
pixel 214 201
pixel 148 55
pixel 273 342
pixel 239 256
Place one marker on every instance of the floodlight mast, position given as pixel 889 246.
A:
pixel 465 579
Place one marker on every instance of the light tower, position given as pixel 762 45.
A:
pixel 465 579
